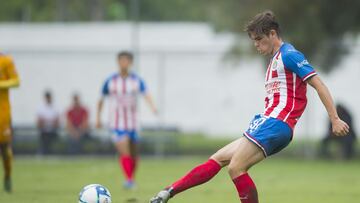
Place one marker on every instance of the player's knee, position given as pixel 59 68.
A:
pixel 219 159
pixel 236 169
pixel 214 157
pixel 7 156
pixel 123 151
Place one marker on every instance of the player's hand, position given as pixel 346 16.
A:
pixel 339 127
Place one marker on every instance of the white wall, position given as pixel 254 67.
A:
pixel 198 90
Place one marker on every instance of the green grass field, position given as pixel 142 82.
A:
pixel 59 180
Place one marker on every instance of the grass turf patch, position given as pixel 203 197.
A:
pixel 278 180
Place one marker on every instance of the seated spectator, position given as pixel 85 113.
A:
pixel 48 124
pixel 77 125
pixel 347 143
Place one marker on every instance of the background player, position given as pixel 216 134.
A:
pixel 286 81
pixel 122 90
pixel 8 79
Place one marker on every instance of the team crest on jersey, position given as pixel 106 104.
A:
pixel 274 65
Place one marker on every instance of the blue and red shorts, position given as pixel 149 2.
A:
pixel 269 134
pixel 119 134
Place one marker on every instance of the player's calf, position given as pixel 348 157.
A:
pixel 244 184
pixel 6 154
pixel 247 155
pixel 246 189
pixel 198 175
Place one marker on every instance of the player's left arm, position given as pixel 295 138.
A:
pixel 85 122
pixel 69 126
pixel 339 127
pixel 147 96
pixel 11 74
pixel 297 63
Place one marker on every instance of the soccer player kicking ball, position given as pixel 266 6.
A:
pixel 8 79
pixel 122 90
pixel 286 79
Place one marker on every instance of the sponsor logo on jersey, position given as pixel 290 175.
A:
pixel 272 87
pixel 302 63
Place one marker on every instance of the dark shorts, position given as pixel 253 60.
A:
pixel 269 134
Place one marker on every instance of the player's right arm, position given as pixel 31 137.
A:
pixel 70 127
pixel 11 74
pixel 85 123
pixel 39 120
pixel 39 123
pixel 100 104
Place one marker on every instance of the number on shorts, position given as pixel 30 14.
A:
pixel 256 123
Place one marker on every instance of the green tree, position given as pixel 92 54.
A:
pixel 319 28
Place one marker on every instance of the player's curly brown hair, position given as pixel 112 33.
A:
pixel 262 24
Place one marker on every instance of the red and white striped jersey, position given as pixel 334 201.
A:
pixel 285 85
pixel 122 95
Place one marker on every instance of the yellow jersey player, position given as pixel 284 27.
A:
pixel 8 79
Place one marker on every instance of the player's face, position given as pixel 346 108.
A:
pixel 48 98
pixel 76 100
pixel 263 43
pixel 124 63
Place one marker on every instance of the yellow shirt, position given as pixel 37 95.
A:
pixel 8 79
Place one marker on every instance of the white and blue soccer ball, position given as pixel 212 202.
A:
pixel 94 193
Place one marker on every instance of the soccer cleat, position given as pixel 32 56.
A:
pixel 7 185
pixel 162 197
pixel 129 185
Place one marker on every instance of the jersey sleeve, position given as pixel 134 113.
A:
pixel 142 86
pixel 297 63
pixel 12 77
pixel 11 70
pixel 105 88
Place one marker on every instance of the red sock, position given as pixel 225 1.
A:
pixel 246 189
pixel 126 164
pixel 133 162
pixel 196 176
